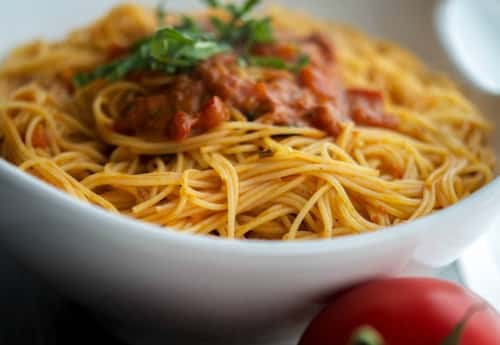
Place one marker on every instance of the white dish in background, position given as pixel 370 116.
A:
pixel 138 273
pixel 470 31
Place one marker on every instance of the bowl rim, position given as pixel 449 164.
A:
pixel 130 226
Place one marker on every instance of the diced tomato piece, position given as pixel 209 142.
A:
pixel 181 126
pixel 284 50
pixel 318 82
pixel 367 108
pixel 213 113
pixel 327 118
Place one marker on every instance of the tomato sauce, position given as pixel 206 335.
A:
pixel 200 100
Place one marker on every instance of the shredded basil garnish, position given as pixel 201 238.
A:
pixel 177 49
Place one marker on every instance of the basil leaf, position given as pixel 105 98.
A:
pixel 175 49
pixel 267 61
pixel 261 31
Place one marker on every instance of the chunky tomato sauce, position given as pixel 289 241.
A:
pixel 195 102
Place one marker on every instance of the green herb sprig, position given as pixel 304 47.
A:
pixel 177 49
pixel 170 50
pixel 240 27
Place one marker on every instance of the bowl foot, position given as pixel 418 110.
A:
pixel 280 333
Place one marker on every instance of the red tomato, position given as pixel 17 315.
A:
pixel 405 311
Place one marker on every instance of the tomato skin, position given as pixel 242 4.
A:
pixel 405 311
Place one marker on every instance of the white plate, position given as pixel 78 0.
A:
pixel 470 31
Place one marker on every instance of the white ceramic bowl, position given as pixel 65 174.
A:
pixel 134 271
